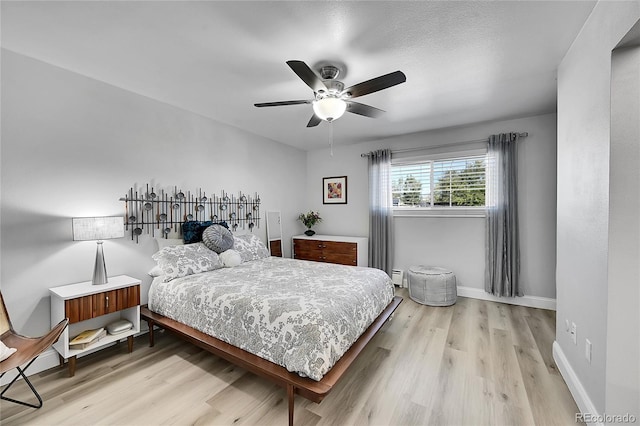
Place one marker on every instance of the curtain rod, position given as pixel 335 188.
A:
pixel 422 148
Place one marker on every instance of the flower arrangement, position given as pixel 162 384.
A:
pixel 310 219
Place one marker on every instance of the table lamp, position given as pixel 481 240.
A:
pixel 98 228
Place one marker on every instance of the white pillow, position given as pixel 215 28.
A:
pixel 156 271
pixel 182 260
pixel 5 351
pixel 230 258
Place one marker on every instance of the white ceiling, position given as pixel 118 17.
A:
pixel 465 62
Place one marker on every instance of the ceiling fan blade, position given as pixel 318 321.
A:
pixel 362 109
pixel 307 75
pixel 281 103
pixel 315 120
pixel 375 84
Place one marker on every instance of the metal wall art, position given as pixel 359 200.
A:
pixel 162 212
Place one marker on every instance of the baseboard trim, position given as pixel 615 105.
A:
pixel 579 393
pixel 528 301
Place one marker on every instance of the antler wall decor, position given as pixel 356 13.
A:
pixel 150 212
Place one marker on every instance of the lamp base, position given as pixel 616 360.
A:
pixel 99 270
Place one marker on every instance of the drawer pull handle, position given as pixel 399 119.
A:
pixel 106 300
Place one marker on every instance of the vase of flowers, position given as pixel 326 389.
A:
pixel 309 220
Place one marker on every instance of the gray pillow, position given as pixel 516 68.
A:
pixel 250 247
pixel 217 238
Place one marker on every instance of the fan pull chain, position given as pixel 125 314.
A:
pixel 331 137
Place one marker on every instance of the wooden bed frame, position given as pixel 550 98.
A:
pixel 294 384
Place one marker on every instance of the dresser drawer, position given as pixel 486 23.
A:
pixel 308 255
pixel 338 247
pixel 307 250
pixel 341 259
pixel 308 245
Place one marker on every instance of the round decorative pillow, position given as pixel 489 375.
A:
pixel 217 238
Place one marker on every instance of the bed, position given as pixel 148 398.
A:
pixel 297 323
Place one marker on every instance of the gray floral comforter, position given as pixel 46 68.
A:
pixel 301 315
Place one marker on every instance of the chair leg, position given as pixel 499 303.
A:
pixel 26 380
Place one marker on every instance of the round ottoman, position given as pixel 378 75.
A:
pixel 432 286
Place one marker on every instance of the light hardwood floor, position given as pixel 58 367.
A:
pixel 474 363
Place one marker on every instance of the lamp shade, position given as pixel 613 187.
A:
pixel 97 228
pixel 329 108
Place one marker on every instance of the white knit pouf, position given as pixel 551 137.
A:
pixel 431 285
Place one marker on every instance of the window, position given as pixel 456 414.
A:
pixel 441 183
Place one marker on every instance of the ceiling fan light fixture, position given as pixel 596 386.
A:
pixel 330 99
pixel 329 108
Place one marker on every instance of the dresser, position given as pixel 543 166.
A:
pixel 332 249
pixel 91 307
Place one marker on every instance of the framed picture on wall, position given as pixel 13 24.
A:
pixel 334 190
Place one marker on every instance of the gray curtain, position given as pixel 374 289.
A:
pixel 380 211
pixel 502 254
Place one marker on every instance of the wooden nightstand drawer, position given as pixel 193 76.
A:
pixel 128 297
pixel 79 309
pixel 95 305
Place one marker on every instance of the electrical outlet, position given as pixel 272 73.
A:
pixel 587 350
pixel 574 333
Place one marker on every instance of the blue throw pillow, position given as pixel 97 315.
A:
pixel 192 230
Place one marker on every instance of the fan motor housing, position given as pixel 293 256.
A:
pixel 329 72
pixel 334 86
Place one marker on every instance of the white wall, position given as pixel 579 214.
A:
pixel 623 310
pixel 456 243
pixel 584 79
pixel 72 146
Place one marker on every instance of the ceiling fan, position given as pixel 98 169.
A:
pixel 331 99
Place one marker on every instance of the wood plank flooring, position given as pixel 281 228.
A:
pixel 473 363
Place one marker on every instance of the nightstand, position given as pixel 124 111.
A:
pixel 93 306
